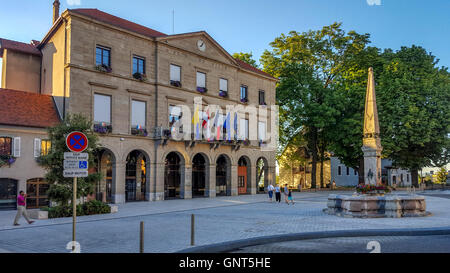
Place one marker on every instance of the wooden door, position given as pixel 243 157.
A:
pixel 242 179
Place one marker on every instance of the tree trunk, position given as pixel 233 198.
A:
pixel 415 177
pixel 313 146
pixel 322 159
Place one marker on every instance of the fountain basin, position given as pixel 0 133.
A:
pixel 367 206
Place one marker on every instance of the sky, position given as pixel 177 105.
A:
pixel 250 25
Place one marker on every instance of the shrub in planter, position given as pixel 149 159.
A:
pixel 89 208
pixel 103 68
pixel 140 76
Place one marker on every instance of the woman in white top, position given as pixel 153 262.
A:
pixel 270 189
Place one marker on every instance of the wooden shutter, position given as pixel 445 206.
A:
pixel 16 149
pixel 37 147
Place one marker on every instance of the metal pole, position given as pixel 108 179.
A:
pixel 141 242
pixel 74 212
pixel 192 229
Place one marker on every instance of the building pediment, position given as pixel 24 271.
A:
pixel 200 43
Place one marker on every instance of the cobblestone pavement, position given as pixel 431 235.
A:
pixel 388 244
pixel 167 224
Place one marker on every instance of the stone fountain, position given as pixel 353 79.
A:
pixel 375 203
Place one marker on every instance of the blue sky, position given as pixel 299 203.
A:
pixel 250 25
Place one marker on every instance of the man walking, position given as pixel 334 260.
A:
pixel 277 193
pixel 21 209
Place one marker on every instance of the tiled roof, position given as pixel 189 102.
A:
pixel 118 22
pixel 247 66
pixel 18 46
pixel 21 108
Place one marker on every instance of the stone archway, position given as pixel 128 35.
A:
pixel 137 176
pixel 200 175
pixel 244 175
pixel 173 176
pixel 223 176
pixel 105 188
pixel 262 174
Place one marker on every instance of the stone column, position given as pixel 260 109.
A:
pixel 271 175
pixel 157 190
pixel 252 180
pixel 186 182
pixel 118 195
pixel 211 186
pixel 234 180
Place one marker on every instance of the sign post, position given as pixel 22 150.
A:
pixel 75 165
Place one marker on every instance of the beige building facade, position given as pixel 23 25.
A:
pixel 126 78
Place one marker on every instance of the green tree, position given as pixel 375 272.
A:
pixel 246 57
pixel 309 66
pixel 60 187
pixel 441 176
pixel 413 95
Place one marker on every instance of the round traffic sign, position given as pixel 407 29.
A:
pixel 76 142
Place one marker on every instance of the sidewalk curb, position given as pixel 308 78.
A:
pixel 233 245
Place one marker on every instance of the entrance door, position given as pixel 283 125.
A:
pixel 198 176
pixel 8 193
pixel 172 177
pixel 37 193
pixel 242 179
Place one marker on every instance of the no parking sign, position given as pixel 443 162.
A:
pixel 76 142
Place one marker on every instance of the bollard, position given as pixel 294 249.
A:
pixel 141 241
pixel 192 230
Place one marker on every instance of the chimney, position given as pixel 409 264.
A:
pixel 55 10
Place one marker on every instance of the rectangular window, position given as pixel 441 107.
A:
pixel 262 97
pixel 103 56
pixel 175 75
pixel 262 131
pixel 138 114
pixel 5 146
pixel 201 80
pixel 223 84
pixel 355 172
pixel 102 109
pixel 339 170
pixel 175 114
pixel 348 171
pixel 138 65
pixel 244 93
pixel 46 145
pixel 243 129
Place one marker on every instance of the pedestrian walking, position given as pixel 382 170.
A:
pixel 270 189
pixel 21 209
pixel 286 193
pixel 290 197
pixel 277 193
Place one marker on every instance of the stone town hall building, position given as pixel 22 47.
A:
pixel 130 80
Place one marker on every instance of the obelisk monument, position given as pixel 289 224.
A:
pixel 371 140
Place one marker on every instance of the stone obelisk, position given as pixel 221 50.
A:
pixel 371 140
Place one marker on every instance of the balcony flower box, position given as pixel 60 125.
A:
pixel 7 160
pixel 244 100
pixel 246 142
pixel 223 94
pixel 102 128
pixel 175 83
pixel 202 89
pixel 167 133
pixel 103 68
pixel 139 132
pixel 139 76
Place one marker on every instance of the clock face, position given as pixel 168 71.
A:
pixel 201 45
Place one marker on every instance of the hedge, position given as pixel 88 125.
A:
pixel 88 208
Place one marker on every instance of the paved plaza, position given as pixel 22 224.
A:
pixel 222 219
